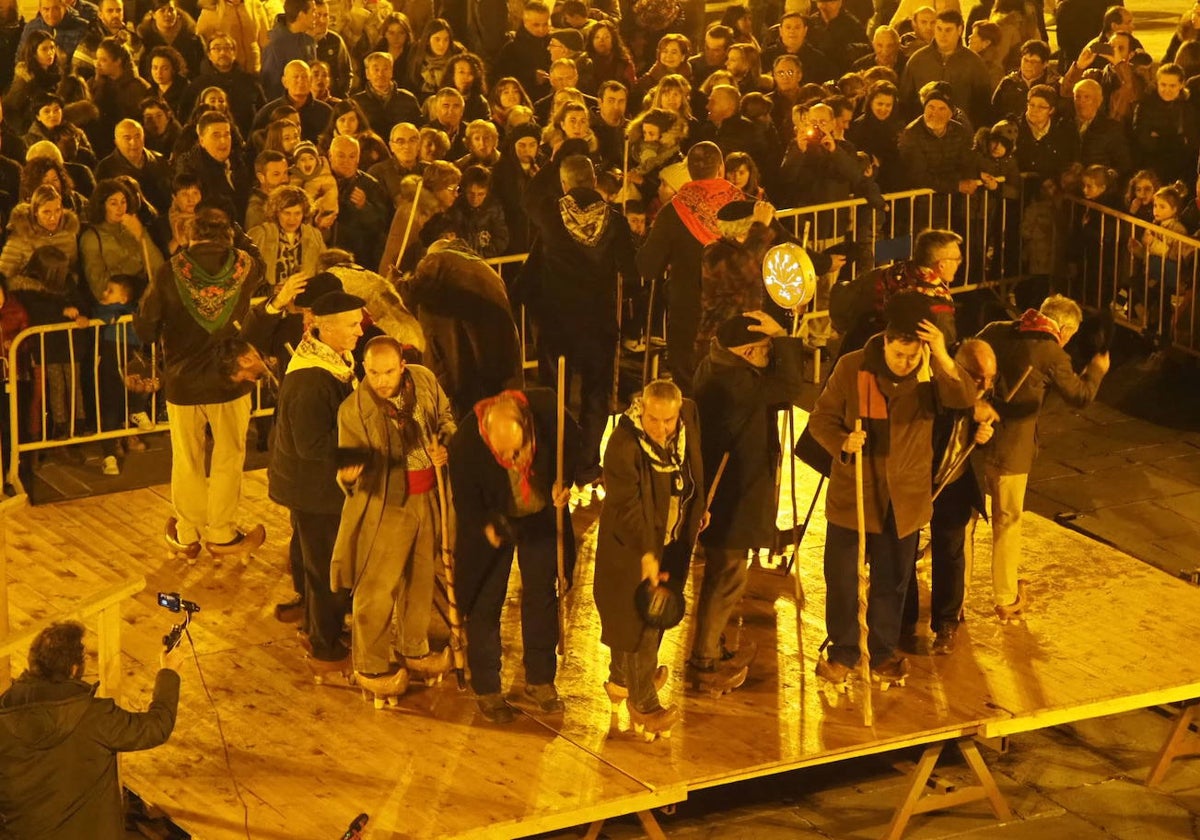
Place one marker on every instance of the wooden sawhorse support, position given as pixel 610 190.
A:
pixel 916 801
pixel 649 825
pixel 1181 742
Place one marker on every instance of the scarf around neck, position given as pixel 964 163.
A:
pixel 314 353
pixel 1033 321
pixel 210 298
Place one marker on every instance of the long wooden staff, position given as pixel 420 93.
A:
pixel 646 337
pixel 416 202
pixel 559 512
pixel 864 652
pixel 616 378
pixel 962 459
pixel 457 637
pixel 625 177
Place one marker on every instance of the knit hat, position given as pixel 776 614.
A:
pixel 305 147
pixel 572 39
pixel 318 286
pixel 936 90
pixel 335 303
pixel 736 332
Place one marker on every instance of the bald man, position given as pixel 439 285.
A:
pixel 957 506
pixel 146 166
pixel 502 470
pixel 297 92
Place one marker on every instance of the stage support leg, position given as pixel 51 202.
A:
pixel 649 825
pixel 916 801
pixel 1181 742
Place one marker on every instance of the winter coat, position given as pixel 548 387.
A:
pixel 820 176
pixel 1105 142
pixel 1077 22
pixel 1012 94
pixel 1049 155
pixel 154 176
pixel 27 85
pixel 521 57
pixel 320 185
pixel 483 493
pixel 483 227
pixel 361 424
pixel 246 23
pixel 44 304
pixel 1014 444
pixel 215 180
pixel 880 140
pixel 190 374
pixel 245 94
pixel 67 35
pixel 471 337
pixel 384 112
pixel 358 229
pixel 302 475
pixel 738 405
pixel 569 282
pixel 963 69
pixel 314 116
pixel 1167 135
pixel 83 61
pixel 283 46
pixel 267 237
pixel 182 37
pixel 58 755
pixel 106 249
pixel 25 237
pixel 633 523
pixel 938 163
pixel 842 39
pixel 898 473
pixel 61 135
pixel 116 99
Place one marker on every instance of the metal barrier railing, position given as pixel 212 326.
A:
pixel 1145 273
pixel 876 237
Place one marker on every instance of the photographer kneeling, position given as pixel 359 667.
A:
pixel 58 742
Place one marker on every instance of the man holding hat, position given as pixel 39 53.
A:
pixel 891 388
pixel 653 472
pixel 753 368
pixel 302 475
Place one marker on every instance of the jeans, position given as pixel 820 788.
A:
pixel 725 571
pixel 635 670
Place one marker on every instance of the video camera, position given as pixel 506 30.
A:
pixel 173 602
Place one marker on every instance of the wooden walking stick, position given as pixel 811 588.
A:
pixel 559 512
pixel 416 203
pixel 457 639
pixel 864 584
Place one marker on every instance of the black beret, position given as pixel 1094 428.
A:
pixel 334 303
pixel 905 310
pixel 936 90
pixel 318 285
pixel 736 332
pixel 735 211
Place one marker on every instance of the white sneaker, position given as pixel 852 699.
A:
pixel 110 465
pixel 142 420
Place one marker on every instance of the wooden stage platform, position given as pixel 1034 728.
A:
pixel 1107 634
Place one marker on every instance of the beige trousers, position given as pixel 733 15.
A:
pixel 206 503
pixel 1008 501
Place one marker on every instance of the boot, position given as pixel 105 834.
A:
pixel 706 676
pixel 291 612
pixel 892 671
pixel 834 673
pixel 545 696
pixel 618 694
pixel 651 725
pixel 383 687
pixel 1014 613
pixel 322 669
pixel 495 708
pixel 943 642
pixel 431 667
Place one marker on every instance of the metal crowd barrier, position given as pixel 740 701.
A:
pixel 869 236
pixel 1144 273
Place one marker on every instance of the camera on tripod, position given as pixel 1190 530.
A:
pixel 173 602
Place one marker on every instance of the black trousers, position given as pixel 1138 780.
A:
pixel 891 562
pixel 947 542
pixel 595 368
pixel 324 610
pixel 536 553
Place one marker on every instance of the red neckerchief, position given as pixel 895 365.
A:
pixel 1034 321
pixel 525 470
pixel 697 203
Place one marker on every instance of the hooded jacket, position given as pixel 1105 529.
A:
pixel 58 755
pixel 24 237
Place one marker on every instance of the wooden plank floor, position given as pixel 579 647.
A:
pixel 1106 630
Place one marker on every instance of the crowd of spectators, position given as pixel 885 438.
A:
pixel 373 128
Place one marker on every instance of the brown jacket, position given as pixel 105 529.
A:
pixel 902 477
pixel 1014 445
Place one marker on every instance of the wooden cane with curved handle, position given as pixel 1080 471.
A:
pixel 458 644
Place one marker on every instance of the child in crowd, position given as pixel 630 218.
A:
pixel 51 295
pixel 1139 195
pixel 652 145
pixel 185 197
pixel 118 299
pixel 310 171
pixel 476 217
